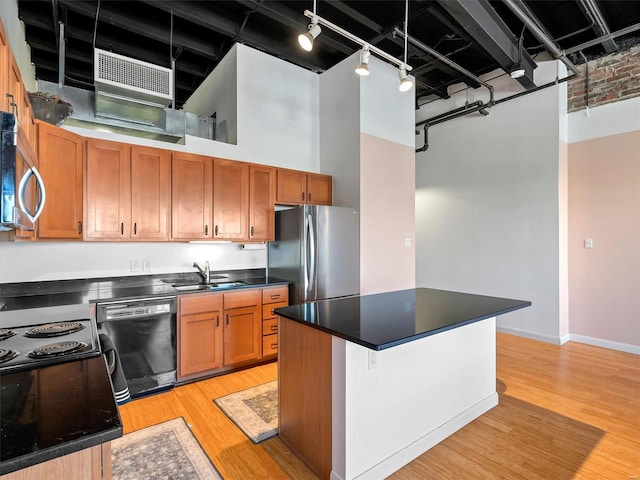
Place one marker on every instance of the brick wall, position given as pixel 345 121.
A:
pixel 611 79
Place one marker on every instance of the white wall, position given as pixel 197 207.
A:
pixel 340 130
pixel 487 207
pixel 218 94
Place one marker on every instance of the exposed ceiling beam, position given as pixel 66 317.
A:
pixel 482 23
pixel 187 41
pixel 591 10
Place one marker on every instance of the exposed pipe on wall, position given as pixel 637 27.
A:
pixel 479 106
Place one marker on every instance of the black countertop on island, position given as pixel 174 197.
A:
pixel 56 410
pixel 385 320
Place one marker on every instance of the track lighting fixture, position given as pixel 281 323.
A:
pixel 306 39
pixel 306 42
pixel 405 82
pixel 363 68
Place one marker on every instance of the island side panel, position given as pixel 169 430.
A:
pixel 304 378
pixel 418 394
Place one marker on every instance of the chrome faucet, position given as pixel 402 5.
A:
pixel 205 273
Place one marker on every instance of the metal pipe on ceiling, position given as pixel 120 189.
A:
pixel 540 35
pixel 447 61
pixel 592 10
pixel 591 43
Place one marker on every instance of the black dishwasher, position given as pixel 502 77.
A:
pixel 143 332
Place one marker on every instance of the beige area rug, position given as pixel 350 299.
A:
pixel 254 410
pixel 166 451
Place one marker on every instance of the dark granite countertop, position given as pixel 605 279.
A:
pixel 388 319
pixel 56 410
pixel 16 296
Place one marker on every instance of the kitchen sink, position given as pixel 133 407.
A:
pixel 209 286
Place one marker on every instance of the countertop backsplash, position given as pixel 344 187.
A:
pixel 43 261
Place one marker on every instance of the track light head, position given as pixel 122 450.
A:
pixel 405 82
pixel 306 39
pixel 363 68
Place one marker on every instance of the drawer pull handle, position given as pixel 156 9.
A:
pixel 275 296
pixel 206 230
pixel 274 328
pixel 79 227
pixel 274 345
pixel 273 310
pixel 252 231
pixel 135 228
pixel 122 228
pixel 215 230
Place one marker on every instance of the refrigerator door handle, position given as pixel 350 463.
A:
pixel 312 260
pixel 306 258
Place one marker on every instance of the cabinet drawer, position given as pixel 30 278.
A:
pixel 267 310
pixel 198 303
pixel 269 344
pixel 275 294
pixel 269 327
pixel 243 298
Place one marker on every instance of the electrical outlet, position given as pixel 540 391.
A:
pixel 373 359
pixel 133 265
pixel 588 243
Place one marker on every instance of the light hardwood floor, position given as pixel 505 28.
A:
pixel 570 412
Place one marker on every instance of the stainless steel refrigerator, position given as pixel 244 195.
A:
pixel 317 248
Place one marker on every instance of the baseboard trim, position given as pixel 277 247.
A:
pixel 399 459
pixel 599 342
pixel 532 336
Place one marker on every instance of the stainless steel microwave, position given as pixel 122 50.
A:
pixel 16 210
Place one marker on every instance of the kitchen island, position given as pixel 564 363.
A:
pixel 368 383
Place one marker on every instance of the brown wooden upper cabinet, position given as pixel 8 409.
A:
pixel 230 199
pixel 191 195
pixel 61 167
pixel 295 187
pixel 4 65
pixel 127 192
pixel 262 200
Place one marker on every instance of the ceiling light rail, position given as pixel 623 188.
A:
pixel 373 49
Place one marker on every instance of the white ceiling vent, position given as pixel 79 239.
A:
pixel 130 89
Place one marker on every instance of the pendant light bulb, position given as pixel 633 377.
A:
pixel 306 39
pixel 405 82
pixel 363 68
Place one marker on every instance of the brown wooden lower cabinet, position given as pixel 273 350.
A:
pixel 218 332
pixel 89 464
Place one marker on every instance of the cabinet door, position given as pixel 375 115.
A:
pixel 319 189
pixel 242 334
pixel 15 89
pixel 242 326
pixel 60 155
pixel 200 343
pixel 291 186
pixel 230 199
pixel 262 200
pixel 108 190
pixel 191 197
pixel 4 66
pixel 150 193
